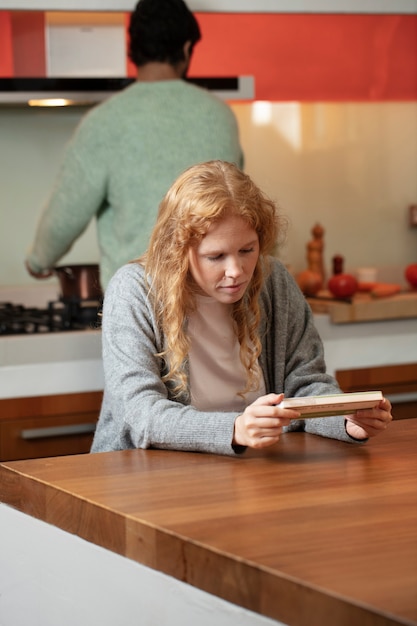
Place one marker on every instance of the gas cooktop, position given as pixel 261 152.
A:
pixel 58 316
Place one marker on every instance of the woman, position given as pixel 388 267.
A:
pixel 205 334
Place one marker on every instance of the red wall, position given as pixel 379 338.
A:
pixel 302 57
pixel 6 49
pixel 312 56
pixel 22 44
pixel 28 28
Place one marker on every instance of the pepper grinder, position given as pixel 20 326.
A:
pixel 341 285
pixel 338 264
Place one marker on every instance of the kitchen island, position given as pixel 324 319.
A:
pixel 51 384
pixel 309 532
pixel 50 393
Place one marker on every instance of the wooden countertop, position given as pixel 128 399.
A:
pixel 362 307
pixel 310 532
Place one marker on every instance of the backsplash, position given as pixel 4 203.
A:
pixel 349 166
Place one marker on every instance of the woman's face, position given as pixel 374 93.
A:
pixel 222 264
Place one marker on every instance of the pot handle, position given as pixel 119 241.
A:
pixel 65 270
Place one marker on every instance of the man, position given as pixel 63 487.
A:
pixel 127 151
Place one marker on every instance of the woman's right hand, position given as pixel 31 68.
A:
pixel 261 423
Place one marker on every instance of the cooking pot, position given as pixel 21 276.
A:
pixel 79 282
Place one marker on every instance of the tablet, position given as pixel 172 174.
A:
pixel 334 404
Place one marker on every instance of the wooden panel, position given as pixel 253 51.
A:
pixel 61 404
pixel 45 426
pixel 390 379
pixel 364 308
pixel 304 530
pixel 47 436
pixel 403 410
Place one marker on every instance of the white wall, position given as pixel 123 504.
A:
pixel 31 146
pixel 52 578
pixel 350 166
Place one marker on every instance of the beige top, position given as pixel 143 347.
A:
pixel 216 371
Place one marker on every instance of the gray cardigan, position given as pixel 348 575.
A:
pixel 138 409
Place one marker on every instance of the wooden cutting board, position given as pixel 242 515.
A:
pixel 365 308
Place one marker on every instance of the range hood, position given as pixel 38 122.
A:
pixel 87 91
pixel 78 58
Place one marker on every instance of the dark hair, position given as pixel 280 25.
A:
pixel 158 31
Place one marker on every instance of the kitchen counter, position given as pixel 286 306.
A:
pixel 311 531
pixel 50 363
pixel 367 344
pixel 70 362
pixel 47 363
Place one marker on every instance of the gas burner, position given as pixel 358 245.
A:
pixel 59 316
pixel 74 314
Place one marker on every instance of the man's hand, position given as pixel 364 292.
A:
pixel 41 275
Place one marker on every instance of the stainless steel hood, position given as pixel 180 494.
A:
pixel 89 91
pixel 78 58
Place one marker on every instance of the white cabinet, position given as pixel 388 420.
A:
pixel 80 44
pixel 50 363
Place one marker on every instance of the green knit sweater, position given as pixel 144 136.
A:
pixel 122 159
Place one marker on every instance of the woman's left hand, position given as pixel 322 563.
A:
pixel 369 422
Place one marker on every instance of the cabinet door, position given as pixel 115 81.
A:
pixel 48 426
pixel 36 437
pixel 397 382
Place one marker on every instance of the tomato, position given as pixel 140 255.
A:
pixel 309 282
pixel 343 285
pixel 411 274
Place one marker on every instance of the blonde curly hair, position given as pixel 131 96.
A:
pixel 201 196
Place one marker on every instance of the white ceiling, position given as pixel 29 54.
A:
pixel 236 6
